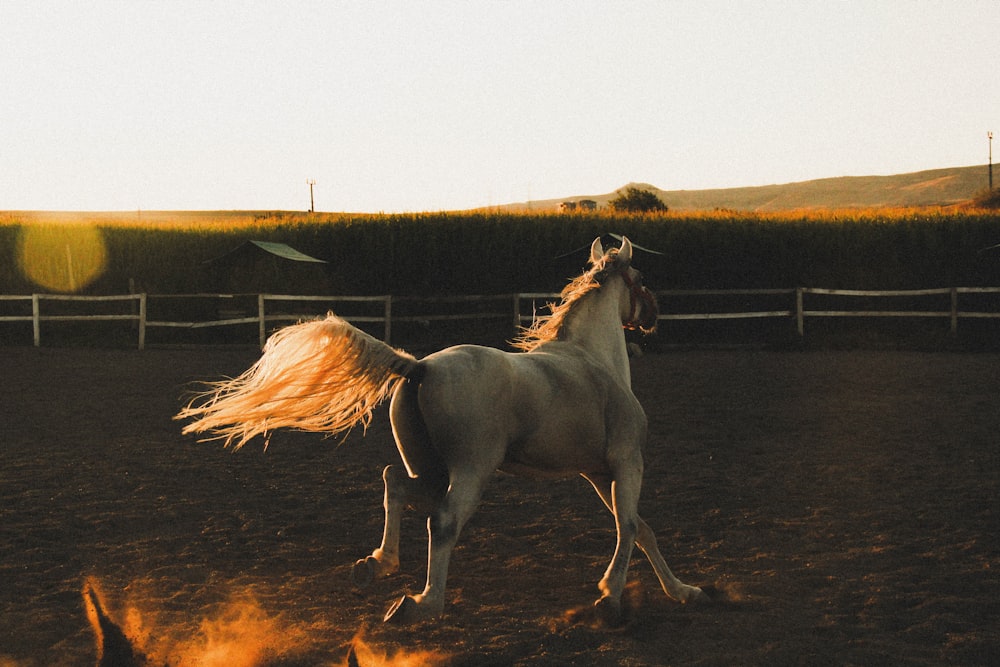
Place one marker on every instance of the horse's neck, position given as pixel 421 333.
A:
pixel 597 328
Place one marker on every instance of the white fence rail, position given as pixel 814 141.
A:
pixel 797 310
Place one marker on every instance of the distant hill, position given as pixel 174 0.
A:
pixel 936 187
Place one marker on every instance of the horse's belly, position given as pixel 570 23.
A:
pixel 555 455
pixel 533 472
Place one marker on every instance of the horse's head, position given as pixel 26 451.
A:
pixel 639 309
pixel 637 305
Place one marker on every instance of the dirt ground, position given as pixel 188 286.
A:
pixel 843 506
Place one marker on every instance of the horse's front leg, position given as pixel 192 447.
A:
pixel 624 497
pixel 646 540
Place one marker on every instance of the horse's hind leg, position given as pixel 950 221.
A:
pixel 646 540
pixel 400 490
pixel 420 485
pixel 443 528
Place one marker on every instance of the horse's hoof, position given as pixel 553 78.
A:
pixel 363 572
pixel 697 596
pixel 609 612
pixel 402 611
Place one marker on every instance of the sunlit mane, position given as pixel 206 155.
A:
pixel 545 329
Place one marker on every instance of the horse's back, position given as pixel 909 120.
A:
pixel 467 376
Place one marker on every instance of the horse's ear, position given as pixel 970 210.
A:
pixel 625 254
pixel 596 251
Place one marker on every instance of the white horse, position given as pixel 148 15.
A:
pixel 562 406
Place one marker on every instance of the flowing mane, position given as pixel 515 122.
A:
pixel 546 329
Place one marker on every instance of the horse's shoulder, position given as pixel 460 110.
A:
pixel 555 350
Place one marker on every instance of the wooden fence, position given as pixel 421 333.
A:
pixel 514 312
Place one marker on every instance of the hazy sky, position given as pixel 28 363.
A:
pixel 413 106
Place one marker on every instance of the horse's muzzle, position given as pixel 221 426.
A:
pixel 645 311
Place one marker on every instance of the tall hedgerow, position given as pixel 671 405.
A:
pixel 498 252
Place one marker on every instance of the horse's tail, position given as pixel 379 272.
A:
pixel 323 375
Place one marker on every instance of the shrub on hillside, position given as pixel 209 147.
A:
pixel 989 199
pixel 637 200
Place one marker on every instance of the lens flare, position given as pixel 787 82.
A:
pixel 61 258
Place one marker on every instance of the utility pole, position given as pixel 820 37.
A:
pixel 989 135
pixel 312 203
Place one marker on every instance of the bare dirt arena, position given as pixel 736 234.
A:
pixel 843 506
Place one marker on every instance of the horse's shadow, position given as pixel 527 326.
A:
pixel 642 615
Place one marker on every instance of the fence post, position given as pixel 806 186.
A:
pixel 261 326
pixel 517 313
pixel 800 323
pixel 36 320
pixel 142 321
pixel 388 319
pixel 954 311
